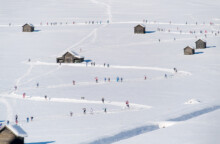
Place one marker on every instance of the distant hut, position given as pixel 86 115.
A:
pixel 12 134
pixel 189 51
pixel 200 44
pixel 70 57
pixel 28 28
pixel 139 29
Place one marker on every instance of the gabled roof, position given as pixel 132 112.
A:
pixel 200 40
pixel 16 130
pixel 142 25
pixel 188 47
pixel 28 24
pixel 74 54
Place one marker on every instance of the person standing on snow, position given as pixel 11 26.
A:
pixel 103 100
pixel 16 119
pixel 96 79
pixel 73 82
pixel 145 77
pixel 84 110
pixel 71 114
pixel 127 103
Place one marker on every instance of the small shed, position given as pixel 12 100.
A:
pixel 12 134
pixel 200 44
pixel 70 57
pixel 28 28
pixel 139 29
pixel 189 51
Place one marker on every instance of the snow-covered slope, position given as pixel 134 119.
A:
pixel 182 108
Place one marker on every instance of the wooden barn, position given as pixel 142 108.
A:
pixel 200 44
pixel 28 28
pixel 189 51
pixel 70 57
pixel 12 134
pixel 139 29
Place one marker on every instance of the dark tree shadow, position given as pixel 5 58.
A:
pixel 48 142
pixel 210 46
pixel 199 52
pixel 150 31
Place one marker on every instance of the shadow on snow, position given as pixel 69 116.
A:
pixel 126 134
pixel 144 129
pixel 195 114
pixel 199 52
pixel 210 46
pixel 150 31
pixel 48 142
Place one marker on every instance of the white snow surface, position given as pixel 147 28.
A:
pixel 180 108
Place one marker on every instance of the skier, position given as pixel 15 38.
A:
pixel 104 64
pixel 175 70
pixel 32 118
pixel 145 77
pixel 96 79
pixel 29 60
pixel 84 110
pixel 8 122
pixel 107 65
pixel 108 79
pixel 165 75
pixel 121 79
pixel 105 79
pixel 127 103
pixel 159 40
pixel 103 100
pixel 117 79
pixel 73 82
pixel 71 114
pixel 27 119
pixel 105 110
pixel 37 84
pixel 24 94
pixel 15 87
pixel 45 96
pixel 16 119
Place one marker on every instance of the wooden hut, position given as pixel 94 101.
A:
pixel 70 57
pixel 12 134
pixel 200 44
pixel 139 29
pixel 189 51
pixel 28 28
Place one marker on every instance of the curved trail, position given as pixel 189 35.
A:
pixel 69 100
pixel 8 108
pixel 114 67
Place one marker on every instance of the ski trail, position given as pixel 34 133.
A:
pixel 79 42
pixel 116 67
pixel 8 109
pixel 44 74
pixel 69 100
pixel 23 76
pixel 108 8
